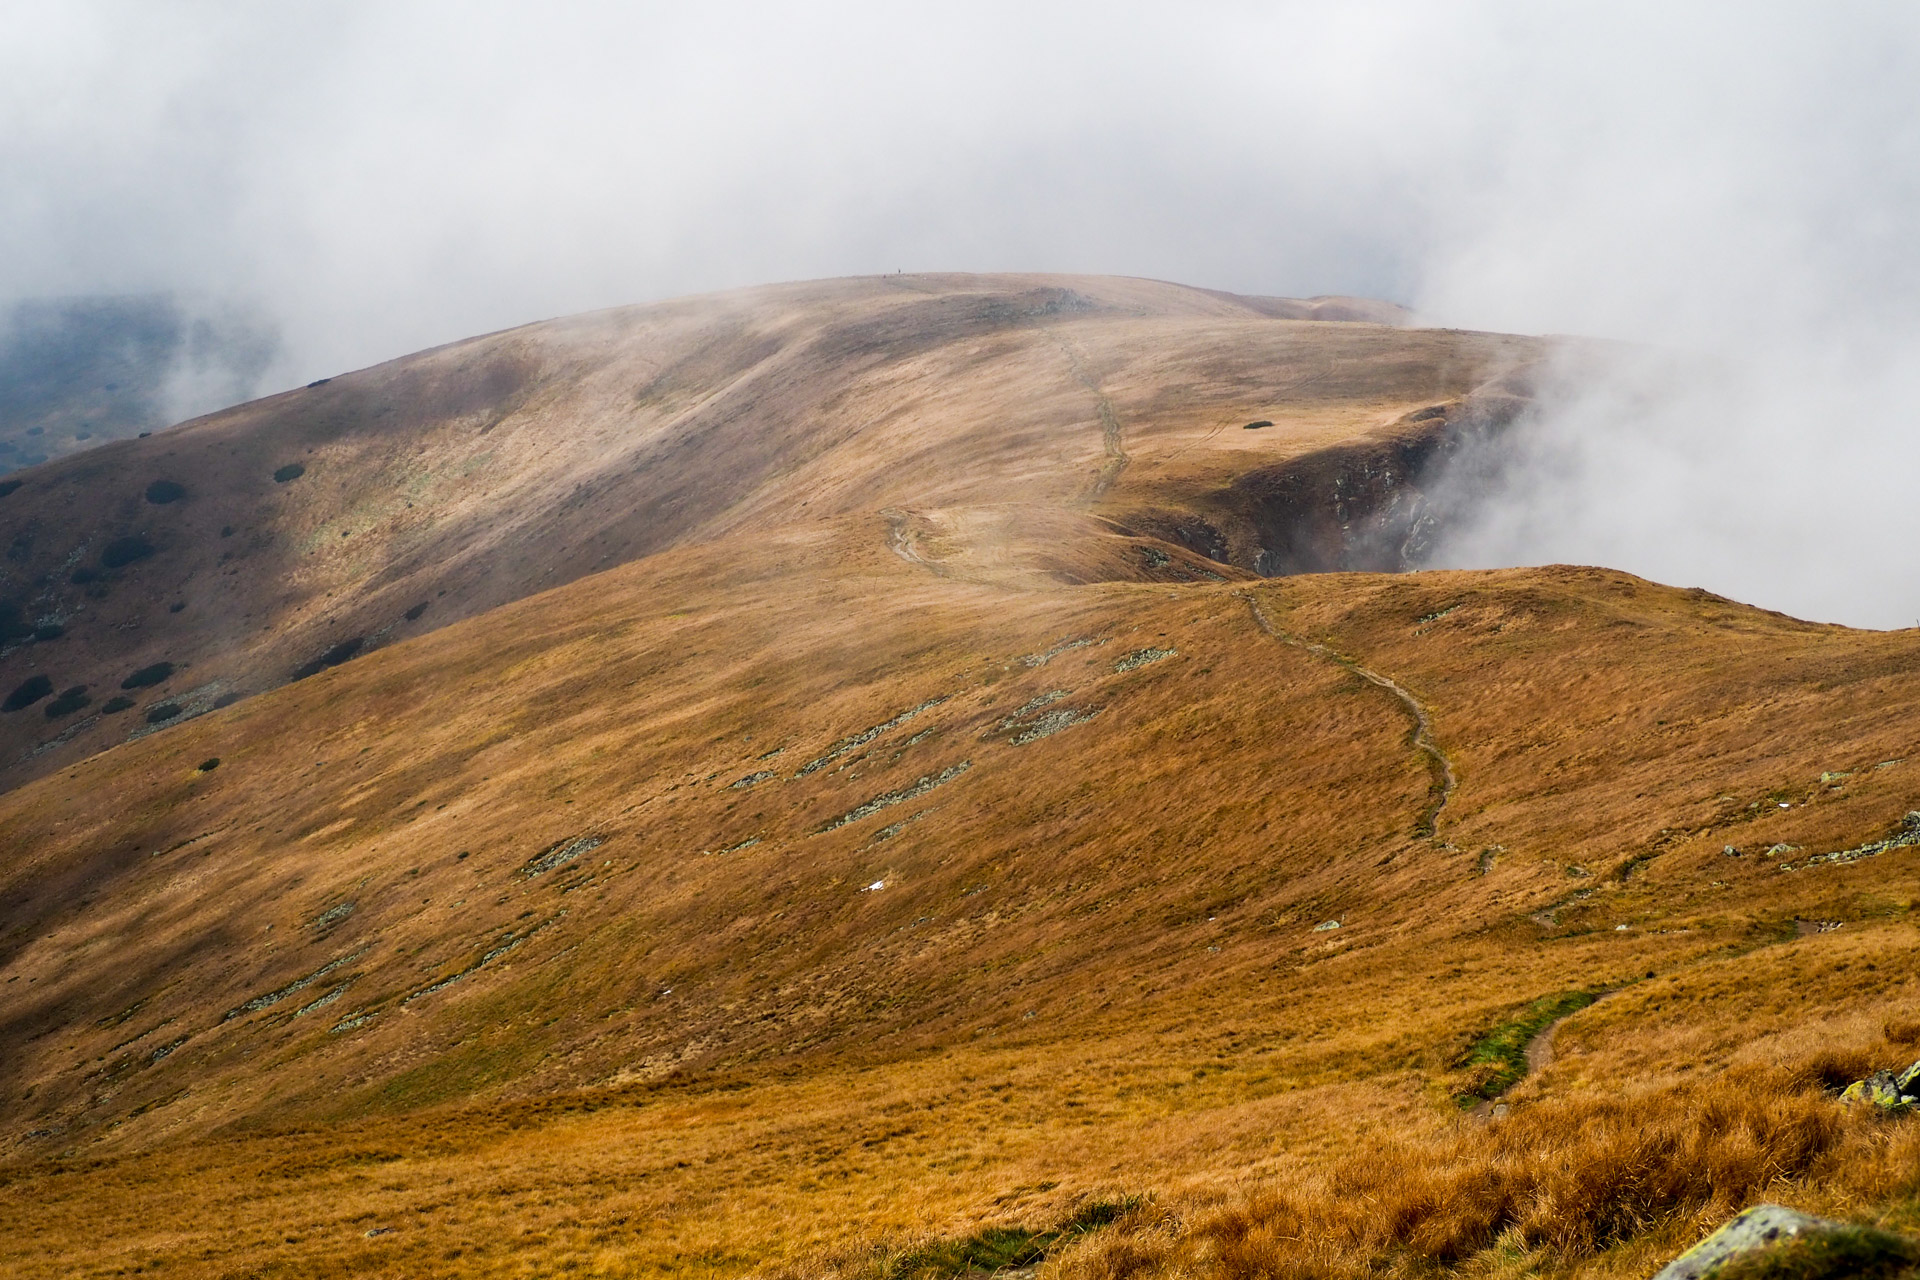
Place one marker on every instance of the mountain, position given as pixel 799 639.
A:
pixel 76 373
pixel 891 769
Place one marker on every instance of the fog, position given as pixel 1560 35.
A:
pixel 1727 192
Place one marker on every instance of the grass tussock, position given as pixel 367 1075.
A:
pixel 1573 1177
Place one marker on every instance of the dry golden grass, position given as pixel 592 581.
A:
pixel 707 1047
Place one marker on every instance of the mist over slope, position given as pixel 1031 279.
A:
pixel 160 577
pixel 76 373
pixel 892 763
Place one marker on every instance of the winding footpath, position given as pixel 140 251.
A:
pixel 1440 789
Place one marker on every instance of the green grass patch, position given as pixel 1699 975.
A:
pixel 1001 1248
pixel 1498 1059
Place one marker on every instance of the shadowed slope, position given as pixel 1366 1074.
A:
pixel 283 536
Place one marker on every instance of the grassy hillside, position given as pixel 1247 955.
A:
pixel 908 886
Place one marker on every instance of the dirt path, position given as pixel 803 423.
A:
pixel 1110 441
pixel 901 542
pixel 1439 767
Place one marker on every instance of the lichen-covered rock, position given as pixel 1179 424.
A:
pixel 1770 1240
pixel 1888 1090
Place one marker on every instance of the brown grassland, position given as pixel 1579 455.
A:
pixel 969 846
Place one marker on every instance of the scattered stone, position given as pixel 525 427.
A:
pixel 335 914
pixel 1906 836
pixel 297 985
pixel 742 783
pixel 1141 657
pixel 560 854
pixel 904 794
pixel 1326 926
pixel 1042 659
pixel 1051 723
pixel 865 736
pixel 1770 1239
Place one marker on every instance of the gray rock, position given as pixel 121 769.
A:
pixel 1908 1082
pixel 1891 1091
pixel 1834 1249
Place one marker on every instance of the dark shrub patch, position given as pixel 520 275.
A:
pixel 115 705
pixel 161 711
pixel 161 492
pixel 146 676
pixel 176 606
pixel 319 382
pixel 124 551
pixel 226 531
pixel 333 657
pixel 8 486
pixel 209 764
pixel 49 631
pixel 13 622
pixel 292 471
pixel 413 614
pixel 83 575
pixel 68 703
pixel 227 699
pixel 28 692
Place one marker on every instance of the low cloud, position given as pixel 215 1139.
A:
pixel 1727 193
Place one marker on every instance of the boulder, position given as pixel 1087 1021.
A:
pixel 1772 1240
pixel 1889 1090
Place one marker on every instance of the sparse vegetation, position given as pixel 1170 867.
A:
pixel 148 676
pixel 344 651
pixel 122 552
pixel 69 701
pixel 27 692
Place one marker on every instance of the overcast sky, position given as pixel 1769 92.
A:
pixel 1737 182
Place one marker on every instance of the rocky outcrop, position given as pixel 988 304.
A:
pixel 1771 1240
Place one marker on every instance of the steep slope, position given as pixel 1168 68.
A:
pixel 234 553
pixel 953 831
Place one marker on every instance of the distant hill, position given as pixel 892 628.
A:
pixel 284 535
pixel 76 373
